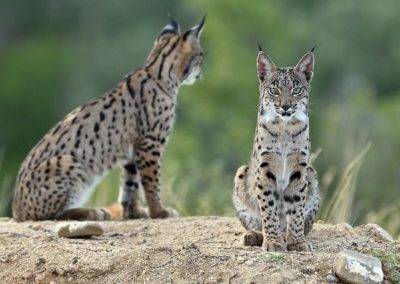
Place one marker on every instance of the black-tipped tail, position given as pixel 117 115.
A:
pixel 85 214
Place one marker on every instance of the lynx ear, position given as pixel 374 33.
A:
pixel 264 65
pixel 306 66
pixel 195 32
pixel 171 27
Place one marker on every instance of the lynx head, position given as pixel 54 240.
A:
pixel 284 91
pixel 177 56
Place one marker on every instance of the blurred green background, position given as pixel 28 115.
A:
pixel 56 55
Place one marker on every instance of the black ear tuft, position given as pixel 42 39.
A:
pixel 171 27
pixel 260 48
pixel 174 24
pixel 201 25
pixel 314 47
pixel 194 33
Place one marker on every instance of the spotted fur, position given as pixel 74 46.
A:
pixel 276 196
pixel 126 128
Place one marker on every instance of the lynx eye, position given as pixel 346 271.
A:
pixel 297 91
pixel 273 91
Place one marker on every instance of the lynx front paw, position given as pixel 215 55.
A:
pixel 299 246
pixel 138 213
pixel 253 238
pixel 272 246
pixel 164 213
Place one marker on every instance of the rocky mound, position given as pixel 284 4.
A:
pixel 187 250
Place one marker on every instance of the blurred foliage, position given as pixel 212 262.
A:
pixel 55 55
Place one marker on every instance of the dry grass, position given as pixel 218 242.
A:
pixel 387 216
pixel 338 210
pixel 6 191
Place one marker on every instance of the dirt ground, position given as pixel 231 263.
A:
pixel 181 250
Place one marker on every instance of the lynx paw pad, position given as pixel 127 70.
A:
pixel 272 246
pixel 253 238
pixel 300 246
pixel 139 213
pixel 164 213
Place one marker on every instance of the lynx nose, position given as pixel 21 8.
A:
pixel 285 107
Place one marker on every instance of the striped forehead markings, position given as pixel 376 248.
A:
pixel 285 77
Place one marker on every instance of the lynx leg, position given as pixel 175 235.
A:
pixel 312 200
pixel 148 163
pixel 249 220
pixel 295 200
pixel 241 197
pixel 267 195
pixel 129 192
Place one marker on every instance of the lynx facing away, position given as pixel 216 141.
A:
pixel 126 128
pixel 276 196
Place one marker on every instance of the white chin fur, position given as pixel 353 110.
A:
pixel 300 115
pixel 189 80
pixel 286 118
pixel 193 77
pixel 270 115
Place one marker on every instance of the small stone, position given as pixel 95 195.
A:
pixel 379 232
pixel 307 271
pixel 40 261
pixel 190 245
pixel 79 230
pixel 5 219
pixel 331 278
pixel 250 262
pixel 355 267
pixel 75 260
pixel 35 227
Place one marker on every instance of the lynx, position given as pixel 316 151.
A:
pixel 276 196
pixel 126 128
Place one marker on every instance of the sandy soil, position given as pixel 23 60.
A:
pixel 182 250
